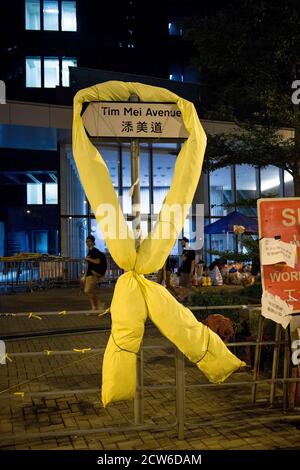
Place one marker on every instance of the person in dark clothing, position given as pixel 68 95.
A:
pixel 96 267
pixel 164 274
pixel 188 264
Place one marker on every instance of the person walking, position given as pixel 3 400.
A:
pixel 187 267
pixel 96 268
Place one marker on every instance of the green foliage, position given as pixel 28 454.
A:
pixel 218 298
pixel 247 53
pixel 254 291
pixel 248 56
pixel 251 246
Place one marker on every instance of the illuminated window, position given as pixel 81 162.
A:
pixel 66 63
pixel 34 193
pixel 288 185
pixel 32 14
pixel 51 72
pixel 270 181
pixel 68 16
pixel 220 192
pixel 176 76
pixel 50 15
pixel 174 29
pixel 51 193
pixel 56 71
pixel 33 72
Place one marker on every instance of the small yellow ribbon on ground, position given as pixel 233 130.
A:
pixel 19 394
pixel 63 312
pixel 32 315
pixel 104 313
pixel 84 350
pixel 48 352
pixel 135 298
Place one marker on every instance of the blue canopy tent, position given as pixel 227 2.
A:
pixel 226 224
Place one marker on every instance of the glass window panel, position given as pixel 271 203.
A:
pixel 40 241
pixel 51 193
pixel 50 12
pixel 68 16
pixel 220 192
pixel 246 190
pixel 34 193
pixel 288 185
pixel 176 76
pixel 32 14
pixel 66 63
pixel 72 198
pixel 173 148
pixel 51 72
pixel 163 169
pixel 73 236
pixel 270 181
pixel 207 255
pixel 189 229
pixel 33 72
pixel 110 154
pixel 222 242
pixel 97 232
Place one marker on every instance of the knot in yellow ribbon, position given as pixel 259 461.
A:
pixel 48 352
pixel 63 312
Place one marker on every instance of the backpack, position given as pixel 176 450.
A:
pixel 102 266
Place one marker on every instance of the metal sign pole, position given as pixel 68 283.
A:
pixel 136 212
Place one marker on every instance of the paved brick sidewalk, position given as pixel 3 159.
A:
pixel 216 418
pixel 50 300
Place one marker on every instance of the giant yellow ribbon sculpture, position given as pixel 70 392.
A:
pixel 135 297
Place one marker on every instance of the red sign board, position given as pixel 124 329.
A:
pixel 281 217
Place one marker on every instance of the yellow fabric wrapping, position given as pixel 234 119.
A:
pixel 136 297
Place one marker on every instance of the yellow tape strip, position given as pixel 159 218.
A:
pixel 48 352
pixel 104 313
pixel 19 394
pixel 8 357
pixel 63 312
pixel 31 315
pixel 82 350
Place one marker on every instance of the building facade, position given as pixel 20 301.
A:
pixel 51 49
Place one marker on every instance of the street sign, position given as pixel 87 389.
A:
pixel 280 218
pixel 134 120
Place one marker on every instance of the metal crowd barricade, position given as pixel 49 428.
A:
pixel 31 275
pixel 180 386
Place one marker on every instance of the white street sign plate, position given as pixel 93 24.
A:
pixel 134 120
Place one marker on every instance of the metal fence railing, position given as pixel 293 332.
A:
pixel 30 275
pixel 179 384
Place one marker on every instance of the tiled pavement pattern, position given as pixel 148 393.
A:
pixel 216 418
